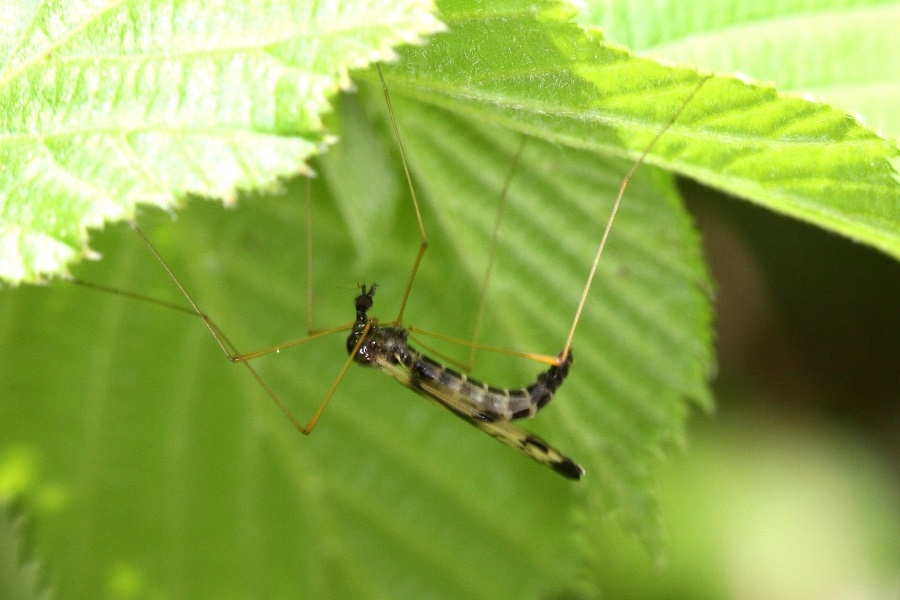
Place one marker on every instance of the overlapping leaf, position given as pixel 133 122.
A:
pixel 109 104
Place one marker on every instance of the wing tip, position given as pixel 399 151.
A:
pixel 568 469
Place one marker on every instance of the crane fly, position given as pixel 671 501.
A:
pixel 488 408
pixel 386 347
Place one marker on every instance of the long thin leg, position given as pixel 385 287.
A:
pixel 615 209
pixel 542 358
pixel 495 238
pixel 556 360
pixel 307 429
pixel 309 260
pixel 229 349
pixel 423 246
pixel 337 380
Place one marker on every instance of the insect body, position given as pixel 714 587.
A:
pixel 489 408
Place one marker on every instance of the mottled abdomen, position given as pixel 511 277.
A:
pixel 494 404
pixel 387 348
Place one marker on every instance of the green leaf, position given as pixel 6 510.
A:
pixel 148 430
pixel 106 105
pixel 818 164
pixel 840 51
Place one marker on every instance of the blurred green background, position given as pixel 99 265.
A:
pixel 792 488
